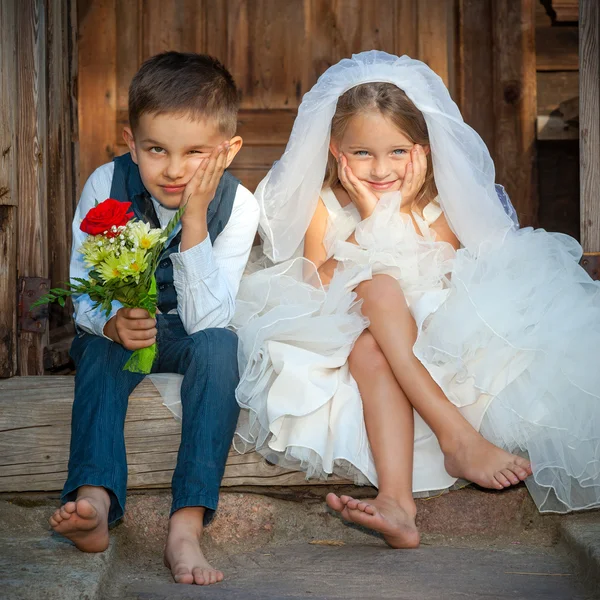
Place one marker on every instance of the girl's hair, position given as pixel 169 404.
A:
pixel 394 104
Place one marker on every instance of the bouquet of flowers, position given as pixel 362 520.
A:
pixel 122 254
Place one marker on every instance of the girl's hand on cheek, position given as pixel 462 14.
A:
pixel 414 176
pixel 362 197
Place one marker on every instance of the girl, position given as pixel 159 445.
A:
pixel 406 333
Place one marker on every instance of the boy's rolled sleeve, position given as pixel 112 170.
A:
pixel 207 276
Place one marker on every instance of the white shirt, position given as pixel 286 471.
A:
pixel 206 276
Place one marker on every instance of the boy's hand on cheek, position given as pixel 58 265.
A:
pixel 201 188
pixel 133 328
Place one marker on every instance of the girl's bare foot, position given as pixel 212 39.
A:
pixel 473 458
pixel 183 555
pixel 383 514
pixel 85 521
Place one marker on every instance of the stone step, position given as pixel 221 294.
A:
pixel 581 537
pixel 274 548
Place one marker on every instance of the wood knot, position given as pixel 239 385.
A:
pixel 512 92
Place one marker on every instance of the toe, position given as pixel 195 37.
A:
pixel 213 577
pixel 511 476
pixel 496 483
pixel 183 575
pixel 64 514
pixel 352 504
pixel 370 509
pixel 501 479
pixel 220 576
pixel 362 506
pixel 346 499
pixel 200 576
pixel 334 502
pixel 70 507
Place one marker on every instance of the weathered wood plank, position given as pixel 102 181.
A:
pixel 566 10
pixel 475 72
pixel 515 103
pixel 32 164
pixel 60 195
pixel 589 145
pixel 553 127
pixel 554 88
pixel 35 433
pixel 97 86
pixel 8 190
pixel 128 19
pixel 435 39
pixel 406 37
pixel 557 48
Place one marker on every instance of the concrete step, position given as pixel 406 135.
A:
pixel 581 538
pixel 370 570
pixel 476 544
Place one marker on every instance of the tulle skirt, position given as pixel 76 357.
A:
pixel 511 337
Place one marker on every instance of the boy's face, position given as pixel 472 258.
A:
pixel 168 149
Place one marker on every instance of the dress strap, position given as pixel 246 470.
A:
pixel 432 212
pixel 330 201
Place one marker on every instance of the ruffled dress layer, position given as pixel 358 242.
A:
pixel 511 337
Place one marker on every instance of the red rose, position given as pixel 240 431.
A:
pixel 104 215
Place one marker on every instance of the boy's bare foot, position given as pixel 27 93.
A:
pixel 475 459
pixel 383 514
pixel 85 521
pixel 183 555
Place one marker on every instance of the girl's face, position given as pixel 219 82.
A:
pixel 376 150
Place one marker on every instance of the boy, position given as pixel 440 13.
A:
pixel 183 115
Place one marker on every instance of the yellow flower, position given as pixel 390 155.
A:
pixel 94 250
pixel 141 235
pixel 111 267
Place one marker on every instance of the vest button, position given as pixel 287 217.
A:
pixel 165 263
pixel 162 286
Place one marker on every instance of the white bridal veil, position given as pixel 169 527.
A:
pixel 463 169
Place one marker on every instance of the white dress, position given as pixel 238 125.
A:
pixel 515 359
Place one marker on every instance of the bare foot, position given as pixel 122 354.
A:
pixel 382 514
pixel 475 459
pixel 85 521
pixel 183 555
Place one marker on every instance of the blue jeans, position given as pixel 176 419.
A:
pixel 208 362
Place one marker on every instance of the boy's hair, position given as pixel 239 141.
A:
pixel 393 103
pixel 186 83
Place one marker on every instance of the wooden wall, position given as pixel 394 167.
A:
pixel 275 50
pixel 496 90
pixel 37 191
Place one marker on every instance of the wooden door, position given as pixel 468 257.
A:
pixel 275 49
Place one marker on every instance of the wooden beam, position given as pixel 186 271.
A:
pixel 475 68
pixel 97 85
pixel 557 48
pixel 589 123
pixel 35 414
pixel 566 10
pixel 8 190
pixel 61 190
pixel 32 164
pixel 515 103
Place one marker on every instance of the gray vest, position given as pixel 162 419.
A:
pixel 127 186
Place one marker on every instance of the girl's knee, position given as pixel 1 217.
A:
pixel 382 293
pixel 367 356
